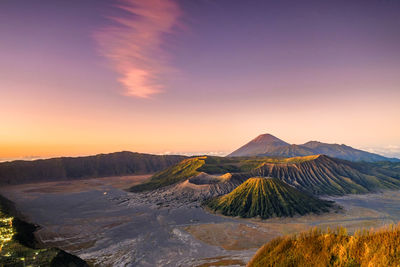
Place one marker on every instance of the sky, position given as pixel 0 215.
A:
pixel 81 77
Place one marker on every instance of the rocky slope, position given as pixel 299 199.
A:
pixel 323 175
pixel 267 197
pixel 193 191
pixel 18 246
pixel 204 186
pixel 317 174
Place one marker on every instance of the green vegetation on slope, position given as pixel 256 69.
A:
pixel 254 163
pixel 323 175
pixel 332 248
pixel 267 197
pixel 384 167
pixel 212 165
pixel 17 241
pixel 220 165
pixel 316 174
pixel 177 173
pixel 209 164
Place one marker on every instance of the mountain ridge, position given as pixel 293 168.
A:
pixel 315 174
pixel 323 175
pixel 283 149
pixel 69 168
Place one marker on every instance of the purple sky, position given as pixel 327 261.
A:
pixel 88 76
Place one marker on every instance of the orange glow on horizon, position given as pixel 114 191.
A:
pixel 48 132
pixel 196 76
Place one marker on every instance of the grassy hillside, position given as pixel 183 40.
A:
pixel 17 244
pixel 220 165
pixel 267 197
pixel 188 168
pixel 315 174
pixel 384 167
pixel 322 175
pixel 177 173
pixel 102 165
pixel 332 248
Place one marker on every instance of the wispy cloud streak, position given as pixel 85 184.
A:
pixel 133 44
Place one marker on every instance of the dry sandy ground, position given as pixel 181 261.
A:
pixel 235 236
pixel 108 226
pixel 75 186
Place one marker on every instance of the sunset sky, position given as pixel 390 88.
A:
pixel 81 77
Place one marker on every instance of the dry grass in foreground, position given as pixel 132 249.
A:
pixel 332 248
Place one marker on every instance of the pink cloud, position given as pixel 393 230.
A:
pixel 133 44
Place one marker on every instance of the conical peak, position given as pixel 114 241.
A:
pixel 267 138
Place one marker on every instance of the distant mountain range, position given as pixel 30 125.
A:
pixel 271 146
pixel 68 168
pixel 302 166
pixel 180 178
